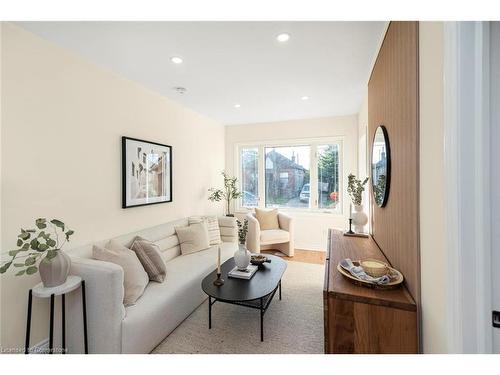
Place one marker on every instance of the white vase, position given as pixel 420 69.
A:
pixel 242 258
pixel 359 219
pixel 54 272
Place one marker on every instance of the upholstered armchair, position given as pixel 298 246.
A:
pixel 276 239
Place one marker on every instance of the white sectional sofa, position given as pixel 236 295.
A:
pixel 112 328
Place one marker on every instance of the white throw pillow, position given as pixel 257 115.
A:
pixel 135 278
pixel 212 226
pixel 193 238
pixel 268 219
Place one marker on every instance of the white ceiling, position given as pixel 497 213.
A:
pixel 234 62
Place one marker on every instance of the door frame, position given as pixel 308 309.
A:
pixel 467 198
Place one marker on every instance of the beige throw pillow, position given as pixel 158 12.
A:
pixel 135 279
pixel 268 219
pixel 212 226
pixel 150 257
pixel 193 238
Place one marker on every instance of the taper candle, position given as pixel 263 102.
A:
pixel 218 259
pixel 350 210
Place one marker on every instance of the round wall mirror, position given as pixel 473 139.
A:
pixel 381 166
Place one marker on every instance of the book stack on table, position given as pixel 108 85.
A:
pixel 243 274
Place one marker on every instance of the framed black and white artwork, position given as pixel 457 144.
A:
pixel 146 172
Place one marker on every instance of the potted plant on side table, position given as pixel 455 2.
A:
pixel 39 250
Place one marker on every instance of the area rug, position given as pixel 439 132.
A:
pixel 293 325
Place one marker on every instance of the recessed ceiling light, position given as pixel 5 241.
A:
pixel 237 105
pixel 176 59
pixel 305 97
pixel 283 37
pixel 179 90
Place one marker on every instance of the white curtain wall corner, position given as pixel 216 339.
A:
pixel 467 200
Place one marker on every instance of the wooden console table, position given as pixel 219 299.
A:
pixel 364 320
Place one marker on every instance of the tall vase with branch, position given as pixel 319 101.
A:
pixel 229 193
pixel 39 250
pixel 355 189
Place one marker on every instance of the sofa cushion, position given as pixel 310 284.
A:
pixel 212 226
pixel 164 306
pixel 135 278
pixel 193 238
pixel 268 219
pixel 150 257
pixel 274 236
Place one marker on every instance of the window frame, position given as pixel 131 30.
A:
pixel 313 143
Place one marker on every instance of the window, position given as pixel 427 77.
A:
pixel 303 176
pixel 249 158
pixel 287 171
pixel 328 176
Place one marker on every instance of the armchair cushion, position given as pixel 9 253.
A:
pixel 268 219
pixel 271 236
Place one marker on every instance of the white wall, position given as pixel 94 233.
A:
pixel 432 215
pixel 62 119
pixel 311 228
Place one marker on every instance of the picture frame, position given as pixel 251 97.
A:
pixel 146 172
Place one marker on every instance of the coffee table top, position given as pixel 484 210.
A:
pixel 264 281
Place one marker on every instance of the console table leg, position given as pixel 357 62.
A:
pixel 28 324
pixel 51 328
pixel 261 319
pixel 209 312
pixel 280 289
pixel 84 305
pixel 63 318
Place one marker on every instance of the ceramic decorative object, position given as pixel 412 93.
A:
pixel 359 219
pixel 242 258
pixel 54 272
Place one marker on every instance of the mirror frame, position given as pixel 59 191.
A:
pixel 388 157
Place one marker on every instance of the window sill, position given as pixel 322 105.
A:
pixel 297 211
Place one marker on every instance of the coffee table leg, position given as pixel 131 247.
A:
pixel 261 319
pixel 280 289
pixel 209 312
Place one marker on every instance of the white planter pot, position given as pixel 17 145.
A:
pixel 359 219
pixel 55 272
pixel 242 258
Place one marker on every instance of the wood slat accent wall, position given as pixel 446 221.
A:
pixel 393 102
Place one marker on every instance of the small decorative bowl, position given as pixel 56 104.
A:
pixel 374 268
pixel 258 260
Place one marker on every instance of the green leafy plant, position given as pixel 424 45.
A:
pixel 229 193
pixel 355 189
pixel 242 230
pixel 40 244
pixel 379 189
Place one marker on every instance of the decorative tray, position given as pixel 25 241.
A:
pixel 396 278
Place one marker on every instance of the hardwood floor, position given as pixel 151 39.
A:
pixel 305 256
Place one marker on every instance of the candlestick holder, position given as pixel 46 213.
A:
pixel 219 281
pixel 350 227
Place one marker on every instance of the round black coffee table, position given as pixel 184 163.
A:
pixel 256 293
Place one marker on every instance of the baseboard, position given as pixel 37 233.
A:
pixel 41 348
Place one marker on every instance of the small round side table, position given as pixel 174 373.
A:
pixel 72 283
